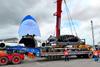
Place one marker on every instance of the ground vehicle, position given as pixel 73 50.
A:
pixel 54 48
pixel 15 54
pixel 14 58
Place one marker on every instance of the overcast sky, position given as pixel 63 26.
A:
pixel 81 11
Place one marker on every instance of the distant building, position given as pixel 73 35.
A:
pixel 10 40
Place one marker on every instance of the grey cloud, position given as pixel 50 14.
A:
pixel 8 32
pixel 88 13
pixel 12 10
pixel 44 12
pixel 97 27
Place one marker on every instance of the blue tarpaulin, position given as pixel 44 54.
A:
pixel 29 26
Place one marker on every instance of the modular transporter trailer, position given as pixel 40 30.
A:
pixel 16 54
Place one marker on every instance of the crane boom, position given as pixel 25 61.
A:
pixel 58 19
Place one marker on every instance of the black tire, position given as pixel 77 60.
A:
pixel 16 60
pixel 57 57
pixel 79 56
pixel 86 56
pixel 3 60
pixel 49 58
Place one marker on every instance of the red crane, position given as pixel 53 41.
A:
pixel 58 19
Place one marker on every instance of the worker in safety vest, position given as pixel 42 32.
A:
pixel 95 55
pixel 66 54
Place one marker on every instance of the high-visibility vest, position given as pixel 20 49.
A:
pixel 95 53
pixel 65 53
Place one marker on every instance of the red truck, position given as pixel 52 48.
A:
pixel 14 58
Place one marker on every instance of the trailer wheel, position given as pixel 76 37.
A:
pixel 16 60
pixel 86 56
pixel 49 58
pixel 79 56
pixel 3 60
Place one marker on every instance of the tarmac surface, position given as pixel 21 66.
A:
pixel 57 63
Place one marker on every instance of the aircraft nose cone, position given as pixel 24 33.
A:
pixel 29 26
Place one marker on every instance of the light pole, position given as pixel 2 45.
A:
pixel 93 34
